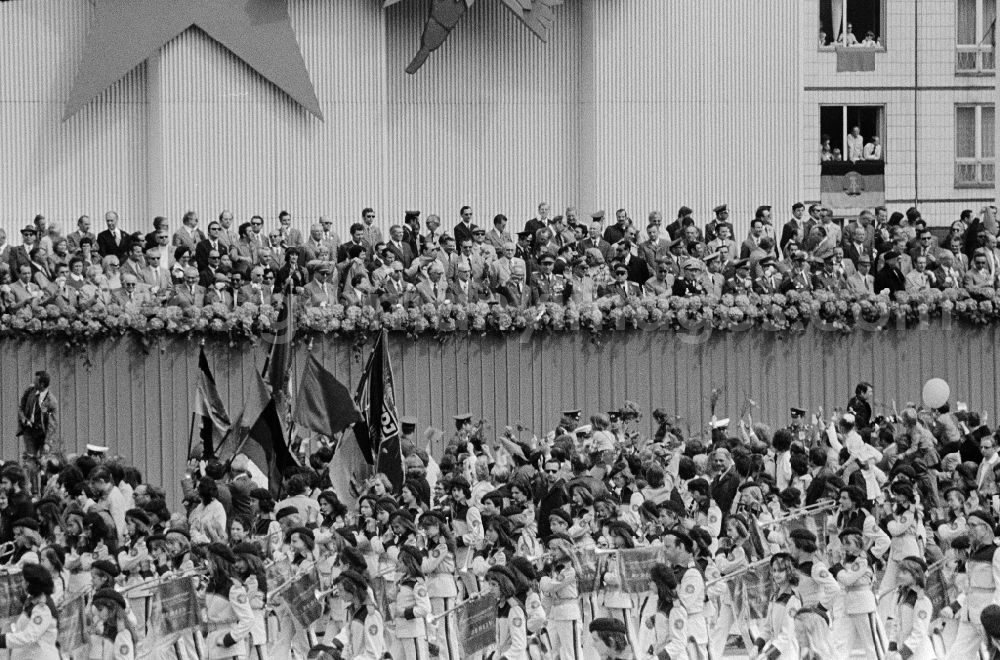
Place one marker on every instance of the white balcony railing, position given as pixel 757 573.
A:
pixel 975 59
pixel 972 173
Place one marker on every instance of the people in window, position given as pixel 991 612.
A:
pixel 848 38
pixel 855 145
pixel 873 150
pixel 870 40
pixel 825 152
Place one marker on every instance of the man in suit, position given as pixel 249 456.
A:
pixel 371 234
pixel 624 253
pixel 24 292
pixel 740 282
pixel 616 232
pixel 890 278
pixel 82 229
pixel 920 279
pixel 752 242
pixel 861 281
pixel 499 236
pixel 794 229
pixel 927 246
pixel 289 235
pixel 254 291
pixel 501 269
pixel 474 262
pixel 113 240
pixel 689 282
pixel 464 289
pixel 433 289
pixel 979 275
pixel 480 247
pixel 856 247
pixel 676 228
pixel 219 293
pixel 188 234
pixel 189 293
pixel 947 276
pixel 36 414
pixel 654 247
pixel 799 278
pixel 319 292
pixel 208 273
pixel 411 232
pixel 343 252
pixel 533 225
pixel 594 240
pixel 130 296
pixel 726 481
pixel 21 255
pixel 134 261
pixel 516 293
pixel 153 275
pixel 159 225
pixel 209 245
pixel 399 247
pixel 227 235
pixel 546 286
pixel 826 278
pixel 394 289
pixel 463 230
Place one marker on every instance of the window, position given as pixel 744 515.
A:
pixel 974 146
pixel 851 23
pixel 975 49
pixel 837 123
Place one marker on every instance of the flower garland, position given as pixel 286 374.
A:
pixel 790 312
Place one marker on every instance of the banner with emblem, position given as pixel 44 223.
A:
pixel 11 595
pixel 590 566
pixel 73 624
pixel 815 522
pixel 477 624
pixel 635 565
pixel 300 596
pixel 849 187
pixel 936 587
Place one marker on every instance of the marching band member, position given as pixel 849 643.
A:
pixel 250 569
pixel 860 628
pixel 301 544
pixel 679 550
pixel 610 638
pixel 704 512
pixel 512 622
pixel 51 559
pixel 34 635
pixel 730 558
pixel 663 622
pixel 902 528
pixel 817 587
pixel 227 604
pixel 114 635
pixel 363 637
pixel 412 606
pixel 617 602
pixel 438 567
pixel 466 522
pixel 983 571
pixel 812 632
pixel 134 559
pixel 777 635
pixel 911 616
pixel 561 599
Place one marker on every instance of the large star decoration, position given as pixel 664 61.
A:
pixel 124 33
pixel 537 15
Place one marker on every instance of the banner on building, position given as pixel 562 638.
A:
pixel 848 187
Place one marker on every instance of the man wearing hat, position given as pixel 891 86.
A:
pixel 721 218
pixel 861 281
pixel 546 286
pixel 983 571
pixel 689 283
pixel 825 278
pixel 581 284
pixel 740 283
pixel 20 255
pixel 621 286
pixel 799 279
pixel 890 278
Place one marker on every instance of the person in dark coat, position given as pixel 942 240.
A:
pixel 890 277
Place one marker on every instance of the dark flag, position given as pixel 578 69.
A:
pixel 322 403
pixel 258 434
pixel 378 434
pixel 211 416
pixel 279 360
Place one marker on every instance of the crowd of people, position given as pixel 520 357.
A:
pixel 555 259
pixel 510 513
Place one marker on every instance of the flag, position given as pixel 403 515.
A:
pixel 259 435
pixel 378 434
pixel 847 186
pixel 211 416
pixel 322 403
pixel 279 360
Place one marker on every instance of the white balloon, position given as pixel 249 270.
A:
pixel 936 393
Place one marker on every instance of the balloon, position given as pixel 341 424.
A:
pixel 936 393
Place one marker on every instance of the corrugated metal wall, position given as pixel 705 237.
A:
pixel 140 403
pixel 91 163
pixel 698 105
pixel 683 101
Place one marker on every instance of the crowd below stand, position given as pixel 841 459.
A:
pixel 560 259
pixel 901 497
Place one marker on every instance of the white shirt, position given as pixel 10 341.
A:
pixel 873 151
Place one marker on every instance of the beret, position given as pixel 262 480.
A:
pixel 433 517
pixel 523 566
pixel 607 624
pixel 559 537
pixel 414 552
pixel 105 566
pixel 352 556
pixel 138 515
pixel 222 551
pixel 39 578
pixel 850 531
pixel 803 534
pixel 562 514
pixel 286 511
pixel 108 596
pixel 352 575
pixel 990 618
pixel 913 559
pixel 30 523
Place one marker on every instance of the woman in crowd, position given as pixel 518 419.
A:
pixel 113 636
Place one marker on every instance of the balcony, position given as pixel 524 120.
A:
pixel 975 60
pixel 975 173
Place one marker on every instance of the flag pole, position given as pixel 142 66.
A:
pixel 194 415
